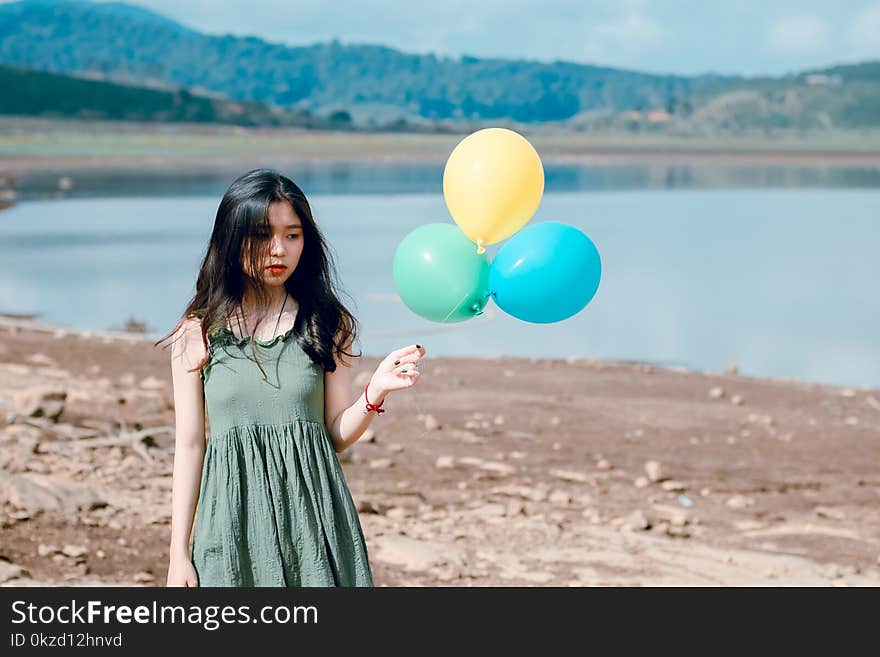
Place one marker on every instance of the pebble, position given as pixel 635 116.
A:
pixel 677 532
pixel 43 401
pixel 737 400
pixel 44 550
pixel 431 423
pixel 716 393
pixel 381 463
pixel 10 571
pixel 445 462
pixel 740 502
pixel 144 577
pixel 570 475
pixel 559 496
pixel 491 510
pixel 74 551
pixel 604 464
pixel 673 485
pixel 635 521
pixel 654 471
pixel 678 520
pixel 641 482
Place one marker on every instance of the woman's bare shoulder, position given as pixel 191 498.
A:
pixel 187 342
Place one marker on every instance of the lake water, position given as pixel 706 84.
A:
pixel 781 281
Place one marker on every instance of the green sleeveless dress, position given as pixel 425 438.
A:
pixel 274 508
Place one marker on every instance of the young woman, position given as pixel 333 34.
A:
pixel 259 351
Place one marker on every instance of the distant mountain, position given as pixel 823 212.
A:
pixel 125 43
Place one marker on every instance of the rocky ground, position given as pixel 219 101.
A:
pixel 497 472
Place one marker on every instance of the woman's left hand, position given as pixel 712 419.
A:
pixel 400 369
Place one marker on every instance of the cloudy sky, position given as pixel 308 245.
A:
pixel 750 37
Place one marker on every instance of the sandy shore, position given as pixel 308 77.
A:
pixel 500 472
pixel 30 145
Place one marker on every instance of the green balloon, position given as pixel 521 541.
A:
pixel 439 275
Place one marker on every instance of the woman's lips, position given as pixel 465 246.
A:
pixel 276 269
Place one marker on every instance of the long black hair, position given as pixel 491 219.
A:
pixel 323 325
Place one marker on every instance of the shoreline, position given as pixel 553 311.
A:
pixel 29 324
pixel 34 145
pixel 22 165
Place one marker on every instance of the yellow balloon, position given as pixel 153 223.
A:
pixel 493 184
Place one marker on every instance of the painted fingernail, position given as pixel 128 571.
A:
pixel 403 371
pixel 418 346
pixel 397 362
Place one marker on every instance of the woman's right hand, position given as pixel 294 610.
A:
pixel 181 572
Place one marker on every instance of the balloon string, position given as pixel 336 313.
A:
pixel 419 411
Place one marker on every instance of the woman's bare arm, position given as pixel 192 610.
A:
pixel 189 441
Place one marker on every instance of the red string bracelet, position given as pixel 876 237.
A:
pixel 372 407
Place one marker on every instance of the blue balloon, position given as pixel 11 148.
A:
pixel 545 273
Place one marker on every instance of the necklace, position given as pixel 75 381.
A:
pixel 277 321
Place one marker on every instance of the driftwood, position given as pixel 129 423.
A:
pixel 134 440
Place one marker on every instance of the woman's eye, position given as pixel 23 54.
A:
pixel 293 235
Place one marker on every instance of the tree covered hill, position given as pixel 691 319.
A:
pixel 125 43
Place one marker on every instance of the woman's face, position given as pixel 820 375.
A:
pixel 285 245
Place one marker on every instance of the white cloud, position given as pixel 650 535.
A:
pixel 632 31
pixel 798 35
pixel 864 33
